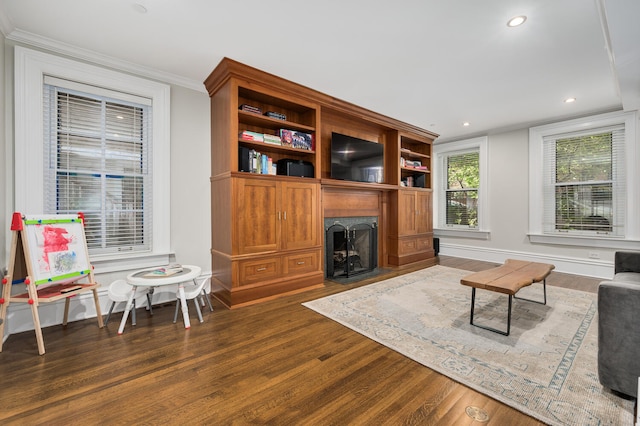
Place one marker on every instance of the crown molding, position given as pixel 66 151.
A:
pixel 70 51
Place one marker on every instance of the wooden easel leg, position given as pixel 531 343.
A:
pixel 96 299
pixel 33 295
pixel 66 311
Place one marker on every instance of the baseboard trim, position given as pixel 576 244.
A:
pixel 585 267
pixel 19 318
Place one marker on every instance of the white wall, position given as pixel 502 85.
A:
pixel 5 159
pixel 190 172
pixel 508 187
pixel 190 197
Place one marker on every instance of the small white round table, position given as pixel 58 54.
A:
pixel 145 278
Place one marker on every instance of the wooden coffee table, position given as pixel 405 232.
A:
pixel 508 279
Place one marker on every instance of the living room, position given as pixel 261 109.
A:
pixel 507 227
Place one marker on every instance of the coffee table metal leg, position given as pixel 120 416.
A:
pixel 495 330
pixel 544 291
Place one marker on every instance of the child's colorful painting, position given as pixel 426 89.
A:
pixel 57 248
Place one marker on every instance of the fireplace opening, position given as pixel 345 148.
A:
pixel 351 249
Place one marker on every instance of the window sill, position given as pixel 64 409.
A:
pixel 462 233
pixel 116 263
pixel 614 243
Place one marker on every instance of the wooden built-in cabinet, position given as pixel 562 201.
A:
pixel 411 236
pixel 275 215
pixel 412 152
pixel 267 230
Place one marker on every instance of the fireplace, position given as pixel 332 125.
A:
pixel 351 246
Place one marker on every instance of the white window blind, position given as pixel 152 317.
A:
pixel 98 162
pixel 462 182
pixel 584 182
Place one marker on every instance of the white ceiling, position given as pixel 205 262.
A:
pixel 431 63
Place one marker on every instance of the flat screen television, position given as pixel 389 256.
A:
pixel 356 159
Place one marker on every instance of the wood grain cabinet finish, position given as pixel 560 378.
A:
pixel 257 203
pixel 276 223
pixel 274 215
pixel 299 215
pixel 267 234
pixel 302 262
pixel 414 238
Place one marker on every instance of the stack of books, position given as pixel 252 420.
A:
pixel 165 271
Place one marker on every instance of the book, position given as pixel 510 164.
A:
pixel 273 139
pixel 247 135
pixel 250 108
pixel 165 271
pixel 276 115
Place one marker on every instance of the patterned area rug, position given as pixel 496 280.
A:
pixel 546 367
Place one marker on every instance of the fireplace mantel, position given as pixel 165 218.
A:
pixel 356 200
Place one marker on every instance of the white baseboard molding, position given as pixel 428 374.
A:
pixel 20 319
pixel 586 267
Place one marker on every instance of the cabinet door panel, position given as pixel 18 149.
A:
pixel 257 224
pixel 407 246
pixel 407 212
pixel 299 215
pixel 424 223
pixel 424 243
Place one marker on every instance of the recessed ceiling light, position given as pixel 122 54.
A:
pixel 516 20
pixel 569 100
pixel 466 124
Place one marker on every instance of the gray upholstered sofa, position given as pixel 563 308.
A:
pixel 619 326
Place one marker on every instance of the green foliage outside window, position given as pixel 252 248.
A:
pixel 584 185
pixel 463 181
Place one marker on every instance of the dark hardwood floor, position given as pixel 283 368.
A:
pixel 276 362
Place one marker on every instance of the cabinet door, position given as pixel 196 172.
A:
pixel 256 215
pixel 406 212
pixel 299 215
pixel 424 223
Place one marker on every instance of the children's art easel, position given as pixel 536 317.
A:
pixel 49 256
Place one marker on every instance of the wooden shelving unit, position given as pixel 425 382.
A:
pixel 412 150
pixel 267 231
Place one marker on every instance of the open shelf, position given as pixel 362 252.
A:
pixel 274 147
pixel 254 119
pixel 414 170
pixel 298 115
pixel 408 153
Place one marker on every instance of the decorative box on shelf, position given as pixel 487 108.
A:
pixel 296 139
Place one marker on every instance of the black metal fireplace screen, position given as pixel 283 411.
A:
pixel 351 249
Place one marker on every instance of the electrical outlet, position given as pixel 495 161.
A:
pixel 594 255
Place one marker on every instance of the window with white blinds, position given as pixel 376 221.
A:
pixel 461 191
pixel 98 162
pixel 584 182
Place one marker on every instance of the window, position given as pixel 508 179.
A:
pixel 130 221
pixel 97 161
pixel 460 177
pixel 584 193
pixel 581 181
pixel 463 181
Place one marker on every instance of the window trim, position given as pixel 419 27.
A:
pixel 441 152
pixel 536 180
pixel 30 68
